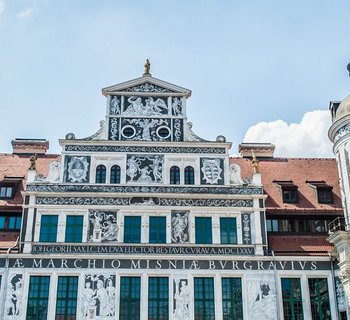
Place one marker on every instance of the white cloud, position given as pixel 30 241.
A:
pixel 2 6
pixel 24 13
pixel 308 138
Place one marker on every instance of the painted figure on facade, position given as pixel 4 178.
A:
pixel 177 106
pixel 182 300
pixel 179 225
pixel 99 297
pixel 104 226
pixel 263 300
pixel 54 171
pixel 32 160
pixel 151 107
pixel 115 105
pixel 133 167
pixel 157 165
pixel 13 300
pixel 235 174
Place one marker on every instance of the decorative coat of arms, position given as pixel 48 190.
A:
pixel 78 168
pixel 211 170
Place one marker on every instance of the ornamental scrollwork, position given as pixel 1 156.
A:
pixel 146 149
pixel 78 168
pixel 147 87
pixel 100 201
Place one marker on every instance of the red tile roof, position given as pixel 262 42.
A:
pixel 302 245
pixel 298 171
pixel 17 166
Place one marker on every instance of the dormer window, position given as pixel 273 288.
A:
pixel 6 192
pixel 289 191
pixel 324 191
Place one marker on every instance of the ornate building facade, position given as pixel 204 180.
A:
pixel 146 220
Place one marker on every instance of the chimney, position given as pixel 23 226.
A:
pixel 29 146
pixel 260 150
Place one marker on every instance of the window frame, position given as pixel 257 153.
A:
pixel 115 174
pixel 132 237
pixel 318 301
pixel 189 176
pixel 161 292
pixel 160 229
pixel 100 174
pixel 175 175
pixel 290 190
pixel 322 191
pixel 133 297
pixel 6 218
pixel 77 229
pixel 69 300
pixel 203 233
pixel 51 227
pixel 7 187
pixel 292 300
pixel 228 227
pixel 201 286
pixel 234 303
pixel 42 283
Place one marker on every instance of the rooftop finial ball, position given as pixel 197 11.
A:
pixel 348 67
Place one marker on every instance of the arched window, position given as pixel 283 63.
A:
pixel 101 174
pixel 174 175
pixel 189 175
pixel 115 174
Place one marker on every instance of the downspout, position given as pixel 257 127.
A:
pixel 276 284
pixel 334 288
pixel 6 275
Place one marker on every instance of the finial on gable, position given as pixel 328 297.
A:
pixel 348 67
pixel 147 68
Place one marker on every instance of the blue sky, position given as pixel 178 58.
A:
pixel 246 62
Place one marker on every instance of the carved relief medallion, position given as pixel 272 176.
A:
pixel 212 171
pixel 77 169
pixel 144 169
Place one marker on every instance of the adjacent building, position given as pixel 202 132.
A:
pixel 146 220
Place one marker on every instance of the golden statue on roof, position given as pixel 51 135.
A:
pixel 255 163
pixel 147 68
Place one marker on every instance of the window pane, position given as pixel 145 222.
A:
pixel 48 228
pixel 66 301
pixel 189 175
pixel 228 230
pixel 232 306
pixel 292 299
pixel 203 230
pixel 2 222
pixel 101 174
pixel 174 175
pixel 38 296
pixel 320 308
pixel 157 229
pixel 132 229
pixel 115 174
pixel 129 298
pixel 158 298
pixel 74 228
pixel 204 306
